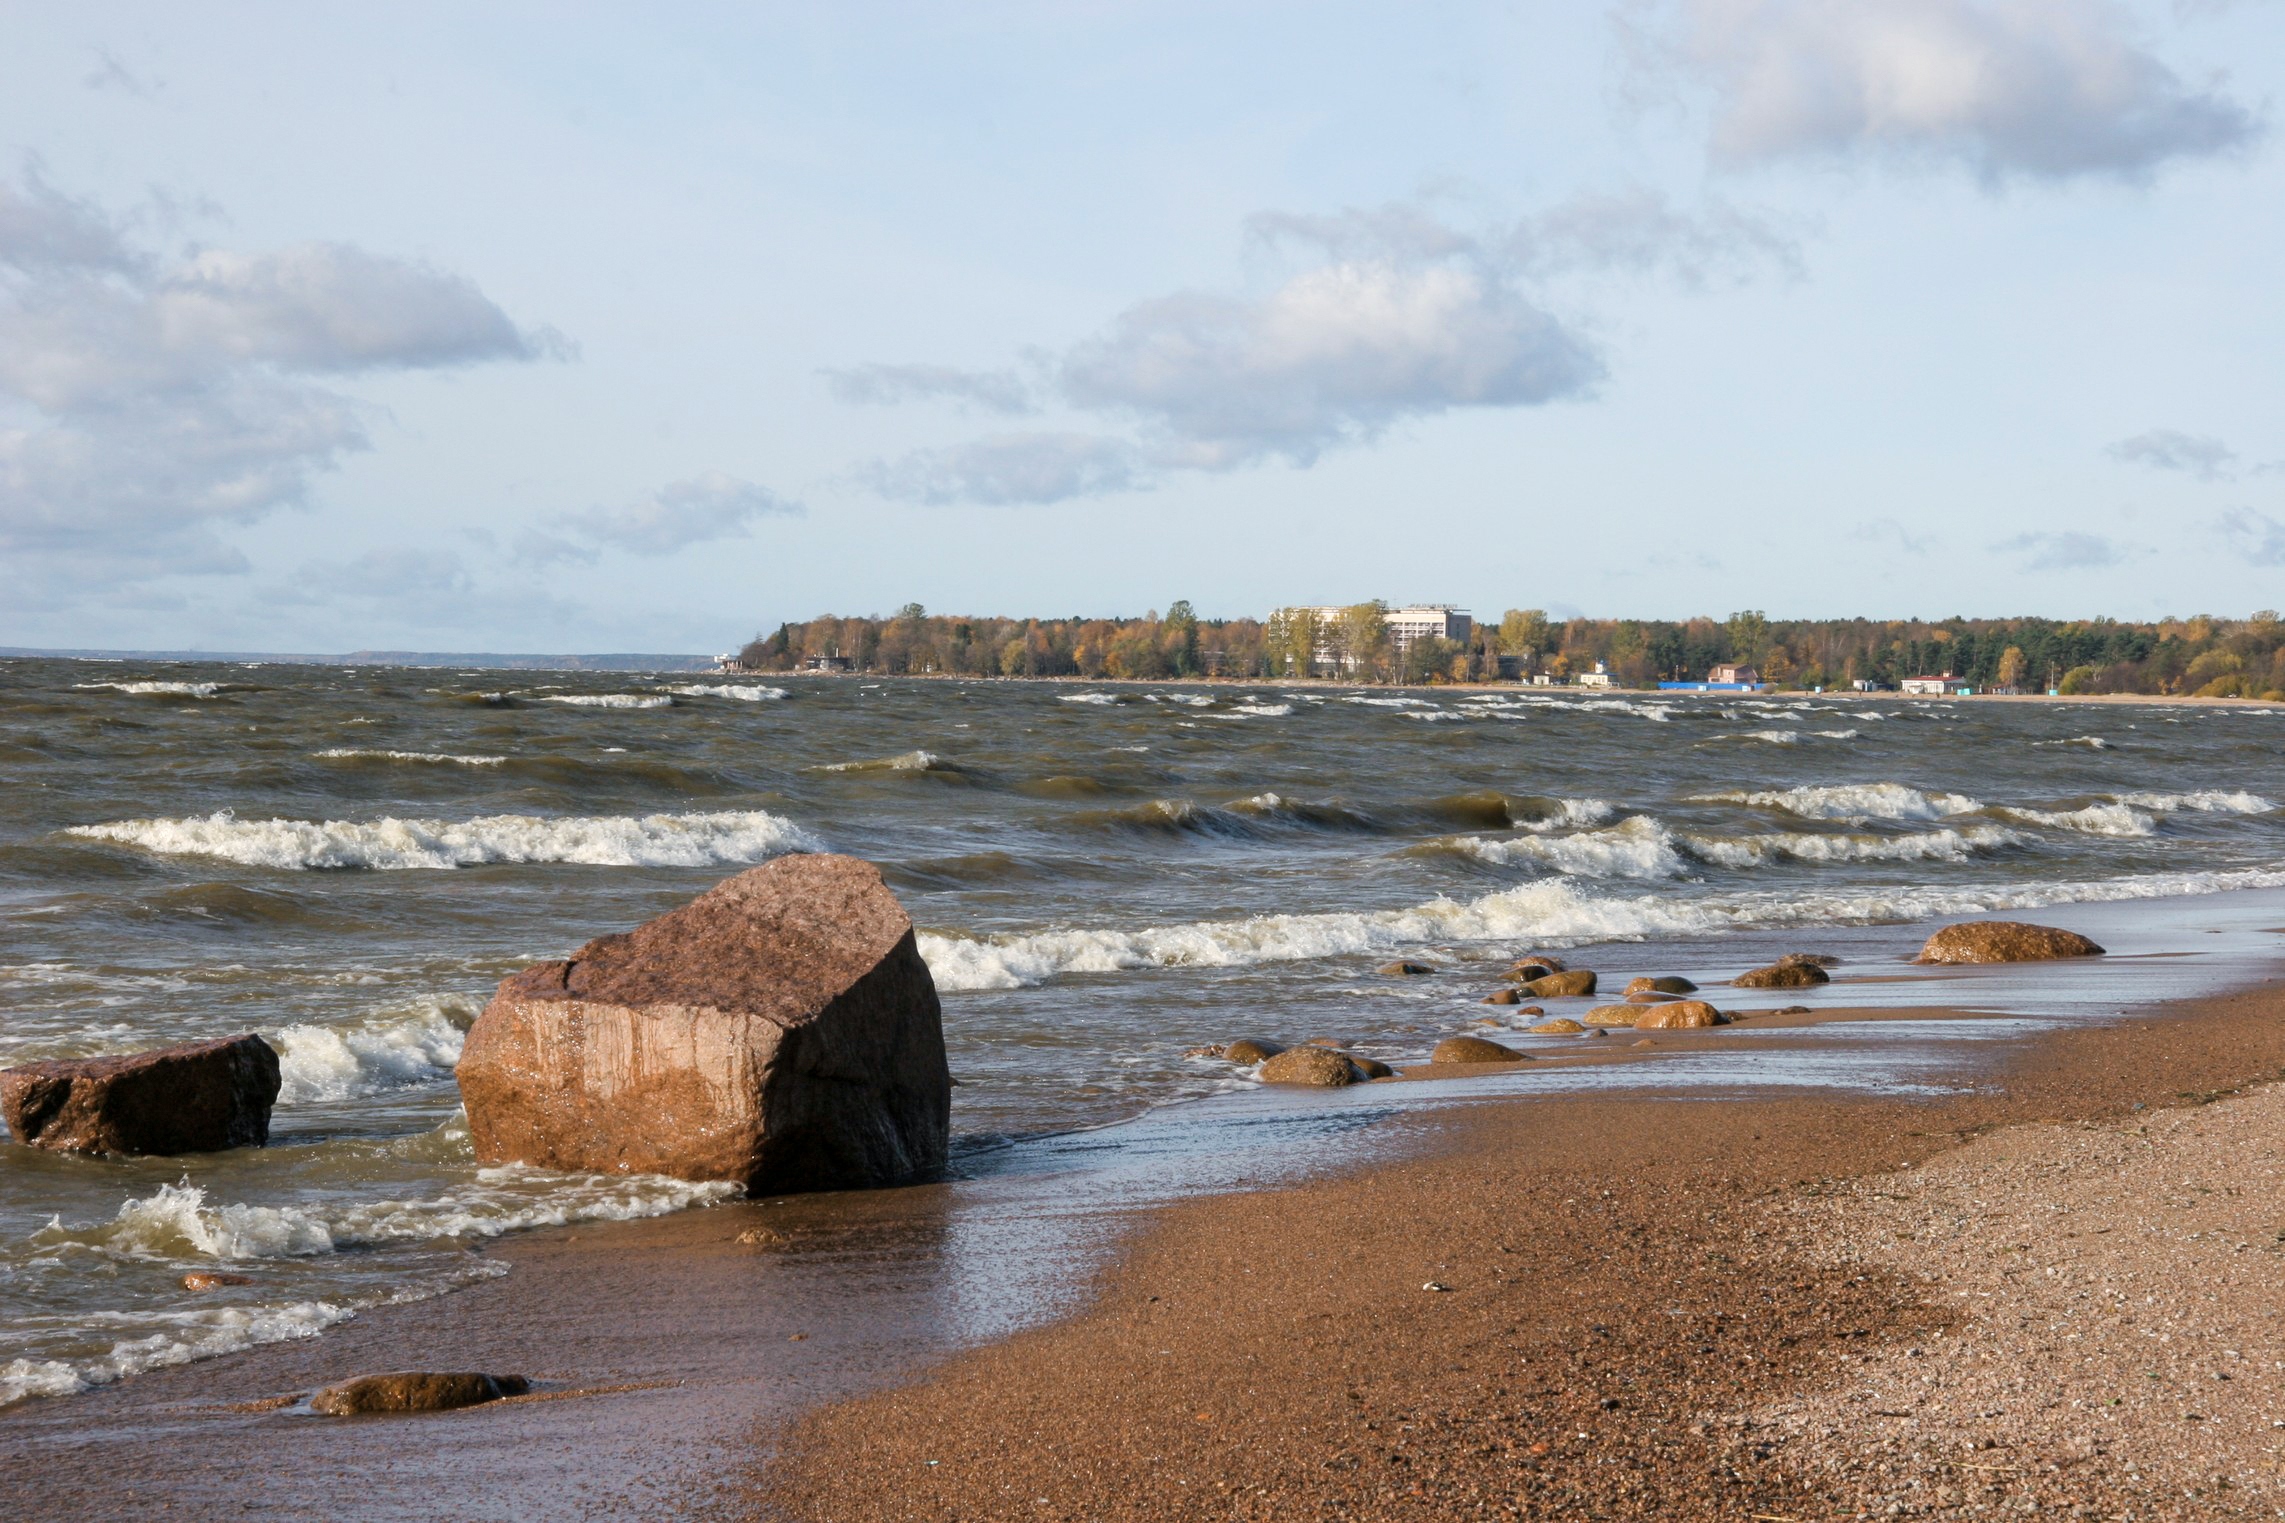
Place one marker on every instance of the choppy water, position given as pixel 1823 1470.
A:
pixel 348 860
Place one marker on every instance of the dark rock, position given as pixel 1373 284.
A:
pixel 1474 1049
pixel 1682 1015
pixel 1503 997
pixel 197 1098
pixel 2005 941
pixel 1560 985
pixel 414 1392
pixel 1406 969
pixel 779 1031
pixel 1372 1068
pixel 1545 960
pixel 1782 975
pixel 1659 986
pixel 1649 997
pixel 1246 1052
pixel 1320 1067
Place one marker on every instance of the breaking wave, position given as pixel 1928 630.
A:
pixel 158 689
pixel 2094 819
pixel 2091 742
pixel 1790 737
pixel 908 761
pixel 2209 802
pixel 1851 801
pixel 658 840
pixel 1946 845
pixel 1256 711
pixel 347 753
pixel 415 1044
pixel 1552 912
pixel 1639 847
pixel 743 693
pixel 612 700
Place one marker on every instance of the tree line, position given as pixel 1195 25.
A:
pixel 2206 655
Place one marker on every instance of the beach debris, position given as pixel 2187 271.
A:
pixel 1436 1285
pixel 200 1097
pixel 1688 1014
pixel 1406 969
pixel 211 1280
pixel 412 1391
pixel 1570 982
pixel 754 1236
pixel 1474 1049
pixel 1562 1025
pixel 2005 941
pixel 1246 1052
pixel 1503 997
pixel 1319 1067
pixel 1782 975
pixel 780 1031
pixel 1665 985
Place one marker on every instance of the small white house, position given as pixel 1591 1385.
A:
pixel 1599 677
pixel 1930 687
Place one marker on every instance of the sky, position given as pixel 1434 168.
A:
pixel 583 328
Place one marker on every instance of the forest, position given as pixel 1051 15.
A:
pixel 2206 655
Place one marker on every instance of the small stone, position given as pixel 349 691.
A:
pixel 1616 1015
pixel 1782 975
pixel 203 1280
pixel 1246 1052
pixel 754 1235
pixel 1545 960
pixel 1645 1042
pixel 1503 997
pixel 414 1392
pixel 1318 1067
pixel 1406 969
pixel 1372 1068
pixel 1532 1010
pixel 1570 983
pixel 1562 1025
pixel 1473 1049
pixel 1668 985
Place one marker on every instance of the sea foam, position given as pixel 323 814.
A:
pixel 1851 801
pixel 2214 801
pixel 658 840
pixel 156 689
pixel 414 1044
pixel 742 692
pixel 613 700
pixel 440 758
pixel 2094 819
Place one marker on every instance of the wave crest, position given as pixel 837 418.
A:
pixel 658 840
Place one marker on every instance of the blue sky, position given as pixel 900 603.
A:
pixel 584 328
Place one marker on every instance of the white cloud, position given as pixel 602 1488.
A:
pixel 2168 449
pixel 146 402
pixel 2257 536
pixel 1888 531
pixel 992 390
pixel 681 514
pixel 2047 89
pixel 2068 550
pixel 1013 469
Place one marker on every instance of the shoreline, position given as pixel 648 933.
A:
pixel 1637 1307
pixel 677 1354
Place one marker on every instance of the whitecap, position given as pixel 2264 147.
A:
pixel 1639 847
pixel 2094 819
pixel 742 692
pixel 2091 742
pixel 1851 801
pixel 156 689
pixel 1572 814
pixel 612 700
pixel 908 761
pixel 1947 845
pixel 1099 698
pixel 658 840
pixel 348 753
pixel 2211 801
pixel 417 1043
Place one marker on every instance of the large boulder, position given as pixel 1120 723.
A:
pixel 2005 941
pixel 1320 1067
pixel 1788 974
pixel 200 1097
pixel 1682 1015
pixel 421 1391
pixel 1670 985
pixel 1571 982
pixel 779 1031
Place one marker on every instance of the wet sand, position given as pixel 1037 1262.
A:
pixel 1653 1306
pixel 1635 1307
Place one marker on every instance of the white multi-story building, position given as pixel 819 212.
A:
pixel 1420 621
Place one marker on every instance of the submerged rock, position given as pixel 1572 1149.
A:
pixel 2005 941
pixel 1246 1052
pixel 200 1097
pixel 1406 969
pixel 1817 959
pixel 204 1280
pixel 1474 1049
pixel 779 1031
pixel 1782 975
pixel 414 1392
pixel 1319 1067
pixel 1682 1015
pixel 1667 985
pixel 1566 984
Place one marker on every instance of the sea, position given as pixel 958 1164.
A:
pixel 1105 877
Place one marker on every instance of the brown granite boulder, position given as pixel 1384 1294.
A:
pixel 1682 1015
pixel 1616 1015
pixel 779 1031
pixel 200 1097
pixel 1659 986
pixel 413 1392
pixel 2005 941
pixel 1782 975
pixel 1474 1049
pixel 1320 1067
pixel 1576 981
pixel 1246 1052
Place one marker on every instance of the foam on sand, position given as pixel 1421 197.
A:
pixel 1555 912
pixel 657 840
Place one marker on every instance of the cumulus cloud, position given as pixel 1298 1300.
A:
pixel 146 401
pixel 2067 550
pixel 2168 449
pixel 2045 89
pixel 992 390
pixel 1377 317
pixel 2256 536
pixel 675 517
